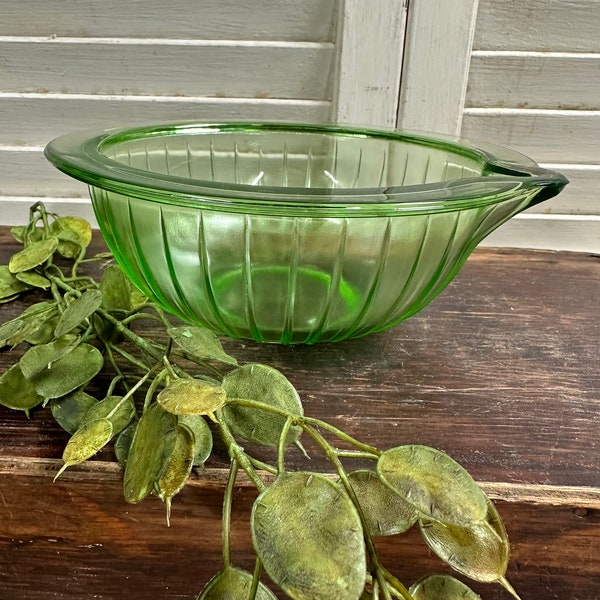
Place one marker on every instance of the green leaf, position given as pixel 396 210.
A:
pixel 203 441
pixel 29 326
pixel 70 410
pixel 442 587
pixel 479 551
pixel 116 290
pixel 78 311
pixel 73 370
pixel 263 384
pixel 123 443
pixel 41 358
pixel 74 234
pixel 151 448
pixel 435 484
pixel 9 330
pixel 200 344
pixel 191 397
pixel 10 286
pixel 42 319
pixel 178 468
pixel 17 392
pixel 386 513
pixel 19 232
pixel 309 538
pixel 89 439
pixel 34 279
pixel 234 584
pixel 118 411
pixel 33 255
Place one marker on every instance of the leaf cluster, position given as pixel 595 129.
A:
pixel 313 534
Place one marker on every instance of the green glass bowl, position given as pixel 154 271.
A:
pixel 295 233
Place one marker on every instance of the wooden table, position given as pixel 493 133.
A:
pixel 501 371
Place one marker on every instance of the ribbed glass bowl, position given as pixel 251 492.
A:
pixel 295 233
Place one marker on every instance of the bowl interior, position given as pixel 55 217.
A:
pixel 291 159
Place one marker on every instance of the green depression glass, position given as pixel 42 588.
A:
pixel 295 233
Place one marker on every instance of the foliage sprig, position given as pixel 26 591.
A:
pixel 313 533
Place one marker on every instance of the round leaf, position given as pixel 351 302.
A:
pixel 33 255
pixel 435 484
pixel 123 443
pixel 479 551
pixel 19 232
pixel 203 441
pixel 41 358
pixel 233 584
pixel 261 384
pixel 442 587
pixel 78 311
pixel 74 234
pixel 9 330
pixel 16 391
pixel 69 411
pixel 34 279
pixel 85 442
pixel 116 290
pixel 309 538
pixel 386 513
pixel 10 286
pixel 178 468
pixel 118 411
pixel 200 343
pixel 69 372
pixel 150 450
pixel 191 397
pixel 42 319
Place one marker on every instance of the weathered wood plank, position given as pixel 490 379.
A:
pixel 534 80
pixel 301 20
pixel 80 538
pixel 544 25
pixel 580 197
pixel 35 119
pixel 573 233
pixel 252 70
pixel 436 63
pixel 370 62
pixel 501 371
pixel 558 136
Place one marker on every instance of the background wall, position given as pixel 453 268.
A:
pixel 534 85
pixel 523 73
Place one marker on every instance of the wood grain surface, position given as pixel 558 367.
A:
pixel 501 371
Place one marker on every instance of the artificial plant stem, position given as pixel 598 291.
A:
pixel 153 387
pixel 227 502
pixel 236 452
pixel 304 421
pixel 132 359
pixel 281 446
pixel 332 456
pixel 130 393
pixel 255 579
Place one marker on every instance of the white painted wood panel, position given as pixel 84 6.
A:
pixel 436 63
pixel 580 197
pixel 535 80
pixel 575 233
pixel 297 20
pixel 155 67
pixel 370 61
pixel 15 210
pixel 540 25
pixel 35 119
pixel 558 136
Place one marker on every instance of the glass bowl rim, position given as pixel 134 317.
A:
pixel 504 172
